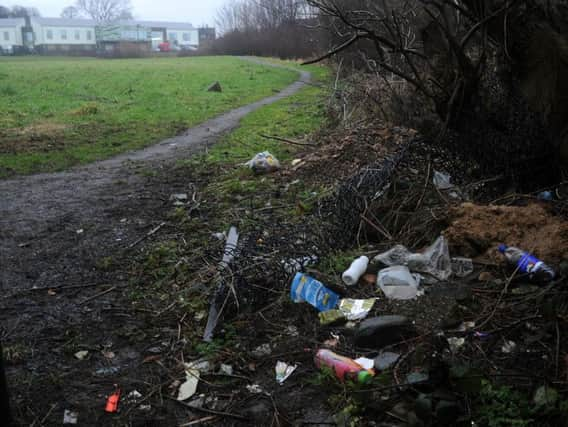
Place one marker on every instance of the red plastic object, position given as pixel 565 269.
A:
pixel 343 367
pixel 112 402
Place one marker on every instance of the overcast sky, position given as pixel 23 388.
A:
pixel 197 12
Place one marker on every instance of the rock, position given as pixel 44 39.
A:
pixel 215 87
pixel 386 360
pixel 485 276
pixel 378 332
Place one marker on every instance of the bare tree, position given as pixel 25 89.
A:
pixel 22 12
pixel 70 12
pixel 104 10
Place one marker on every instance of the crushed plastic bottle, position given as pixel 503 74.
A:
pixel 343 367
pixel 528 264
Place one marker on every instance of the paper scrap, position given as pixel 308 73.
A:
pixel 283 371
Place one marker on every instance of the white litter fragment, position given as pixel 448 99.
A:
pixel 283 371
pixel 455 343
pixel 466 326
pixel 81 354
pixel 365 363
pixel 226 369
pixel 192 373
pixel 262 350
pixel 254 388
pixel 509 347
pixel 70 417
pixel 80 231
pixel 442 181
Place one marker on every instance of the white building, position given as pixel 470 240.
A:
pixel 61 34
pixel 11 34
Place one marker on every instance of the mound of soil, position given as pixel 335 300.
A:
pixel 477 230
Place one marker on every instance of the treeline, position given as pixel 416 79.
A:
pixel 282 28
pixel 18 12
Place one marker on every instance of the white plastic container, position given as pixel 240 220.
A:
pixel 357 268
pixel 397 283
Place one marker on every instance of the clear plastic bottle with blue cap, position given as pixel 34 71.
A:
pixel 528 264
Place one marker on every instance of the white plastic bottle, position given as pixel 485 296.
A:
pixel 357 268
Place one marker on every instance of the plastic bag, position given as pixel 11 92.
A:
pixel 264 163
pixel 434 261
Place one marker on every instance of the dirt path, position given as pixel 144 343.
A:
pixel 54 231
pixel 41 214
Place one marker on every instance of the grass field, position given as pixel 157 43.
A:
pixel 60 112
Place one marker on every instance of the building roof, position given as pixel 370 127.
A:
pixel 159 24
pixel 65 22
pixel 12 22
pixel 79 22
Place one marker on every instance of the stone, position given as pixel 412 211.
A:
pixel 378 332
pixel 215 87
pixel 386 360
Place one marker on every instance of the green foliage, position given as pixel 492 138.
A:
pixel 107 107
pixel 500 406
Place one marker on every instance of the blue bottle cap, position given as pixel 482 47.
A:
pixel 502 248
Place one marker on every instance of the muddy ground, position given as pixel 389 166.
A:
pixel 59 234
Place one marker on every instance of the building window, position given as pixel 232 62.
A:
pixel 89 35
pixel 186 37
pixel 173 36
pixel 77 34
pixel 63 34
pixel 49 34
pixel 6 35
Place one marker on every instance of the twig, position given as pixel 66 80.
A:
pixel 100 294
pixel 288 141
pixel 210 411
pixel 199 421
pixel 376 227
pixel 141 239
pixel 48 414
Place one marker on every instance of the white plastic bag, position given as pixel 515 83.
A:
pixel 434 261
pixel 263 163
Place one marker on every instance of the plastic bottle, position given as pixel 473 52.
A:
pixel 357 268
pixel 527 263
pixel 343 367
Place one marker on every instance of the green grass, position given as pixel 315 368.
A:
pixel 60 112
pixel 292 117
